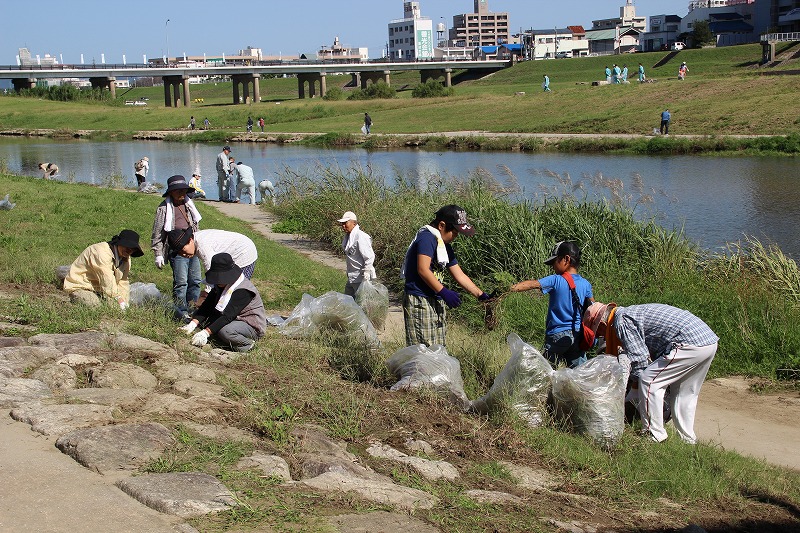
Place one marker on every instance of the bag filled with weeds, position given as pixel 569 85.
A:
pixel 523 385
pixel 373 297
pixel 418 366
pixel 590 399
pixel 332 312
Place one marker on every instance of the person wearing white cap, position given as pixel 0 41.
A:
pixel 681 348
pixel 357 246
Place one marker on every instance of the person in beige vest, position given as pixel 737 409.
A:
pixel 101 272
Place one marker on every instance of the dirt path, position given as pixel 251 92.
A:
pixel 728 414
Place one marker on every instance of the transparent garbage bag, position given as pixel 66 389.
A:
pixel 373 297
pixel 590 399
pixel 333 311
pixel 419 366
pixel 144 293
pixel 523 384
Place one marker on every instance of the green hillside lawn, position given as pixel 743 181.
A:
pixel 724 93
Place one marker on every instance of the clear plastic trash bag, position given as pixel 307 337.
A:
pixel 419 366
pixel 373 297
pixel 590 399
pixel 333 311
pixel 144 293
pixel 523 384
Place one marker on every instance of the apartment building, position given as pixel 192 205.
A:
pixel 664 31
pixel 627 19
pixel 411 37
pixel 480 28
pixel 556 42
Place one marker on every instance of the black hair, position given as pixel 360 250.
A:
pixel 571 249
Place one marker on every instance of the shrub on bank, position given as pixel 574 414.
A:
pixel 334 93
pixel 432 89
pixel 374 91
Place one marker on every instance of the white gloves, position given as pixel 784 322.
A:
pixel 200 338
pixel 123 305
pixel 369 274
pixel 188 328
pixel 160 261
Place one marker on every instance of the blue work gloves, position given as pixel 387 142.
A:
pixel 484 297
pixel 450 298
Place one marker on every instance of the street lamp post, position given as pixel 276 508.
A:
pixel 166 33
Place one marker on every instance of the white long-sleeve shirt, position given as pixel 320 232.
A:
pixel 246 176
pixel 210 242
pixel 357 247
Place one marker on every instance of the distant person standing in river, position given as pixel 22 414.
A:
pixel 223 169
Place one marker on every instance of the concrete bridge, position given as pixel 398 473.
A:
pixel 769 40
pixel 311 77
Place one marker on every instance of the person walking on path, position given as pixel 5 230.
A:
pixel 261 123
pixel 641 73
pixel 177 212
pixel 246 182
pixel 223 171
pixel 357 247
pixel 140 169
pixel 624 73
pixel 546 84
pixel 101 272
pixel 427 258
pixel 681 348
pixel 249 124
pixel 206 123
pixel 233 312
pixel 666 116
pixel 367 123
pixel 562 338
pixel 191 123
pixel 617 73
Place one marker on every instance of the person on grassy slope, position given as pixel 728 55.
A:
pixel 427 258
pixel 101 272
pixel 207 243
pixel 562 339
pixel 177 212
pixel 233 312
pixel 357 246
pixel 681 348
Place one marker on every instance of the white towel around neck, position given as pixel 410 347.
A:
pixel 169 223
pixel 227 292
pixel 441 250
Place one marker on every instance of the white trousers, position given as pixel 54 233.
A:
pixel 683 369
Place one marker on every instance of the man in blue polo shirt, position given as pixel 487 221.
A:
pixel 426 261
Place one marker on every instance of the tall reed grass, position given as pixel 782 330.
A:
pixel 748 297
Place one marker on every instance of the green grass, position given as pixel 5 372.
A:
pixel 283 384
pixel 725 93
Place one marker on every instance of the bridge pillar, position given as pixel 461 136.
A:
pixel 312 79
pixel 373 77
pixel 356 79
pixel 448 77
pixel 767 51
pixel 386 78
pixel 105 83
pixel 245 80
pixel 23 83
pixel 173 87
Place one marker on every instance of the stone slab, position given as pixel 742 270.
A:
pixel 113 448
pixel 7 342
pixel 269 465
pixel 62 418
pixel 184 494
pixel 16 391
pixel 57 377
pixel 198 408
pixel 122 398
pixel 172 372
pixel 86 343
pixel 385 493
pixel 493 497
pixel 21 358
pixel 122 376
pixel 427 468
pixel 196 388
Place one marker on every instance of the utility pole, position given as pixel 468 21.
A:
pixel 166 33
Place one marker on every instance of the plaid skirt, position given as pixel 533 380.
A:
pixel 425 320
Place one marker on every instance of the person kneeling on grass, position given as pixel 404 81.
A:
pixel 233 311
pixel 101 271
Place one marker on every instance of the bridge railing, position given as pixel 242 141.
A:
pixel 780 37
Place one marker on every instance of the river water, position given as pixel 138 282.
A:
pixel 715 200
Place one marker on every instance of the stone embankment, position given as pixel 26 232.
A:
pixel 112 402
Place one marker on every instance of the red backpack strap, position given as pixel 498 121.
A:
pixel 571 282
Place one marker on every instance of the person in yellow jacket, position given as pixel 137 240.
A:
pixel 101 272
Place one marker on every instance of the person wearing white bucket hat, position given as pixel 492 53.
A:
pixel 665 347
pixel 357 247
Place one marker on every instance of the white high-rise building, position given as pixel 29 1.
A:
pixel 411 38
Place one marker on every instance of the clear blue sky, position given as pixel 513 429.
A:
pixel 71 28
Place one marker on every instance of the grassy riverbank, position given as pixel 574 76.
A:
pixel 283 384
pixel 725 93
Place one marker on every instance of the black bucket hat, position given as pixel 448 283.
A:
pixel 178 238
pixel 176 183
pixel 129 239
pixel 223 270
